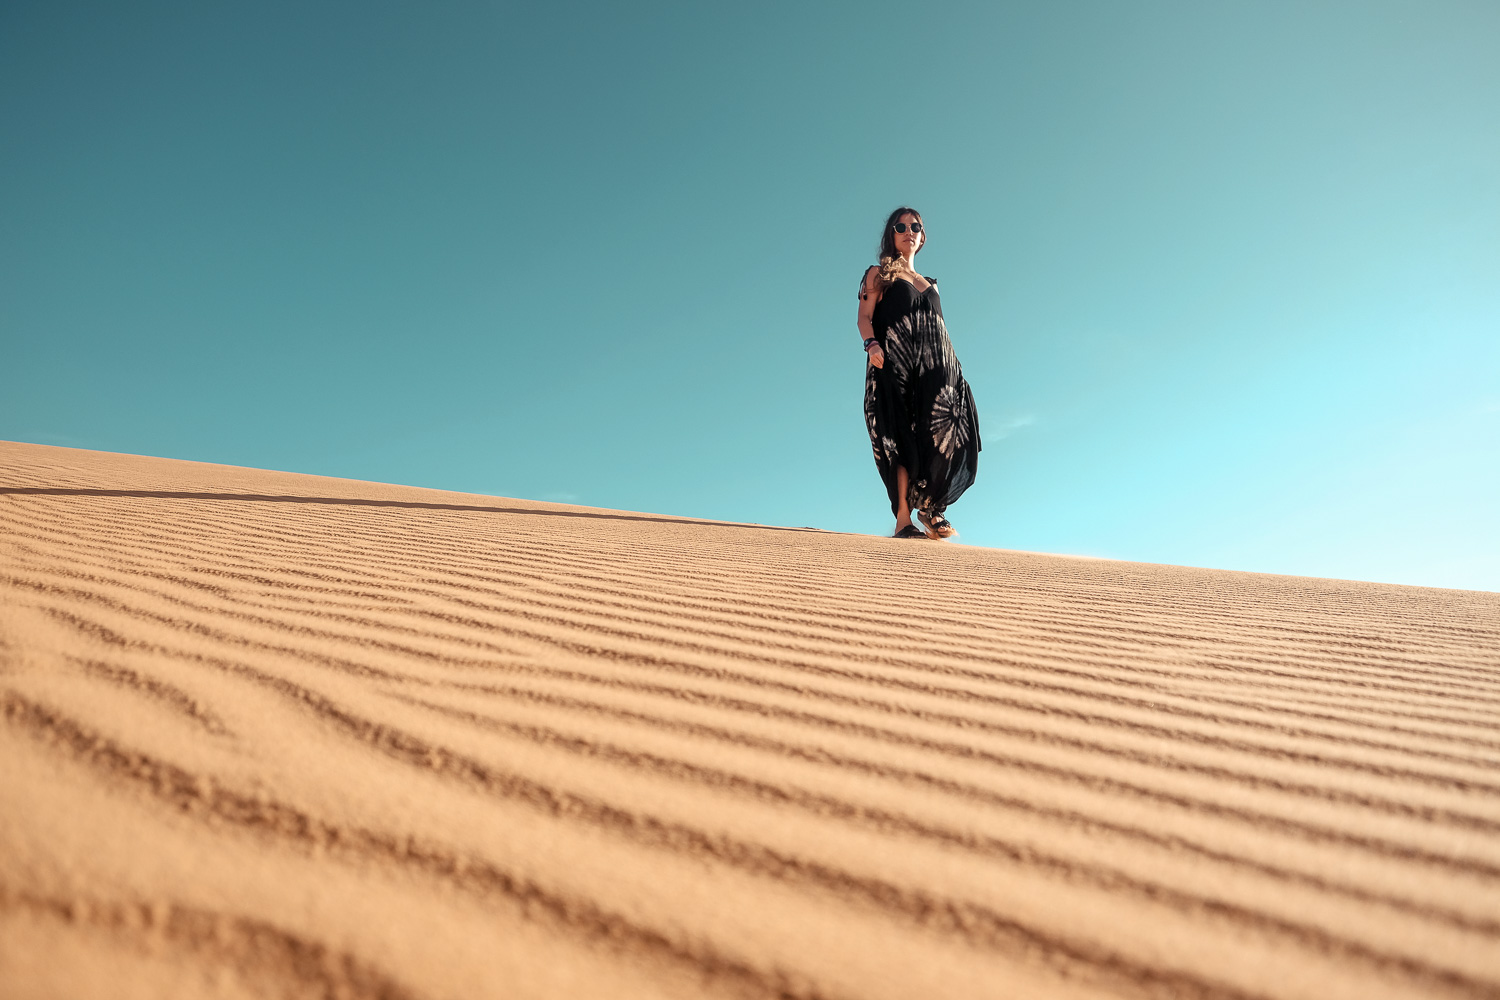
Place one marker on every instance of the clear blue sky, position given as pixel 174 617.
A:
pixel 1225 277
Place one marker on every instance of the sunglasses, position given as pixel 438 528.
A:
pixel 900 227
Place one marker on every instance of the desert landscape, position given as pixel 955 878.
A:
pixel 279 735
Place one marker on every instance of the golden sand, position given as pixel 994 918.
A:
pixel 277 735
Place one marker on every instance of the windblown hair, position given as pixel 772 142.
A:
pixel 888 236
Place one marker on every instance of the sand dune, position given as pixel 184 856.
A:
pixel 278 735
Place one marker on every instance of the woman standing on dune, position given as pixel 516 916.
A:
pixel 918 408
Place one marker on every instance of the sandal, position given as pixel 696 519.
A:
pixel 939 526
pixel 910 531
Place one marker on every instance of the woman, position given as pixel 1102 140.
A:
pixel 918 408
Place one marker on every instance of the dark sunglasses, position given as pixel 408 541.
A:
pixel 900 227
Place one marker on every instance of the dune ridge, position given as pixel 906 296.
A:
pixel 267 734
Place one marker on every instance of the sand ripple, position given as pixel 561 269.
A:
pixel 278 735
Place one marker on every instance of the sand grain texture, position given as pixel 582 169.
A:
pixel 277 735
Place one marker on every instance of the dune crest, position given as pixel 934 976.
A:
pixel 267 734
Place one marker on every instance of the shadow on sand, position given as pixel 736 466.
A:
pixel 357 502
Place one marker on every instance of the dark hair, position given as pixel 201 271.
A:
pixel 888 238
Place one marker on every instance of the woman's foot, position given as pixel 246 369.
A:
pixel 910 531
pixel 937 525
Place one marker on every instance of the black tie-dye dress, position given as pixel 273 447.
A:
pixel 918 408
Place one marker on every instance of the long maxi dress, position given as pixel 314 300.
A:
pixel 918 408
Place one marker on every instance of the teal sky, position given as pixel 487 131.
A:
pixel 1224 277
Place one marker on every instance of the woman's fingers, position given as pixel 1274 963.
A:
pixel 877 357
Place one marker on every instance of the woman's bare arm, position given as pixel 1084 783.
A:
pixel 869 295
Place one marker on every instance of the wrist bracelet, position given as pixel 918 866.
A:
pixel 869 341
